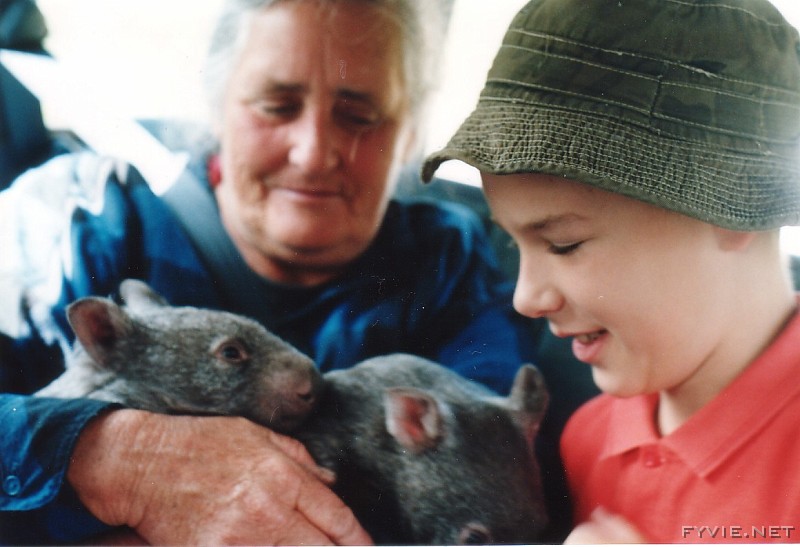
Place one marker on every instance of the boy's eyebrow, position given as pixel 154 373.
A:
pixel 549 222
pixel 554 221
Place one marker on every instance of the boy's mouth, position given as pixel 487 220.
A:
pixel 588 346
pixel 588 338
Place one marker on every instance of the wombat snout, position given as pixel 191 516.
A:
pixel 306 390
pixel 307 393
pixel 293 391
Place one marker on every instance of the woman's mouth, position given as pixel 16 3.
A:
pixel 310 192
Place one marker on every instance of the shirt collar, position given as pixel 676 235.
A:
pixel 730 420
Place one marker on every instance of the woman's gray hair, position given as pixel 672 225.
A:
pixel 421 23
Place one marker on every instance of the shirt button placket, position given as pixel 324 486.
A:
pixel 651 457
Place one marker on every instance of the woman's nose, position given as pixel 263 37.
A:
pixel 536 295
pixel 313 148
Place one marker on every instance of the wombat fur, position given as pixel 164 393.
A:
pixel 421 454
pixel 424 456
pixel 153 356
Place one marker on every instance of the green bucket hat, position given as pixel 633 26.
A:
pixel 689 105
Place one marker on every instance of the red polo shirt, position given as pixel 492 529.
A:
pixel 730 474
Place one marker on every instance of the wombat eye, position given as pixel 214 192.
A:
pixel 474 534
pixel 232 351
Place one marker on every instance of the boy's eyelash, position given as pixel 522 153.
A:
pixel 564 249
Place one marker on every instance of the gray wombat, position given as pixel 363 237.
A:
pixel 149 355
pixel 424 456
pixel 421 454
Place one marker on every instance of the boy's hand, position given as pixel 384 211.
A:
pixel 604 527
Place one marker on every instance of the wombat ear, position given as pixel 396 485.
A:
pixel 528 400
pixel 139 295
pixel 99 325
pixel 413 418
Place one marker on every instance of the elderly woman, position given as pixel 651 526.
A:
pixel 316 105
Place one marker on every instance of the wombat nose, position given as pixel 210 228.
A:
pixel 306 392
pixel 306 395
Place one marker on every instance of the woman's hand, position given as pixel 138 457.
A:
pixel 206 480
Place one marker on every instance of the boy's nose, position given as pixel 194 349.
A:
pixel 536 295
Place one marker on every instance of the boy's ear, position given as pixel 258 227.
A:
pixel 733 241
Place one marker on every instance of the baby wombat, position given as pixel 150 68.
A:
pixel 153 356
pixel 424 456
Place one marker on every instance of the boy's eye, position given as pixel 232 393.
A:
pixel 564 249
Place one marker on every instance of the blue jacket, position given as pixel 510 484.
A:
pixel 78 225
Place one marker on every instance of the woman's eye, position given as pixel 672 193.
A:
pixel 564 249
pixel 355 122
pixel 279 109
pixel 356 117
pixel 358 122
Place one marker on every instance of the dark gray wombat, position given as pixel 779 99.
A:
pixel 153 356
pixel 421 454
pixel 424 456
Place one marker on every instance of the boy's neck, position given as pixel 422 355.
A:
pixel 761 313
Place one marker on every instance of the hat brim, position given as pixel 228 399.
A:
pixel 725 187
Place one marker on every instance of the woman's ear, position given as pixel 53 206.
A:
pixel 732 240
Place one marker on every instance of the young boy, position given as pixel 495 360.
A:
pixel 644 154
